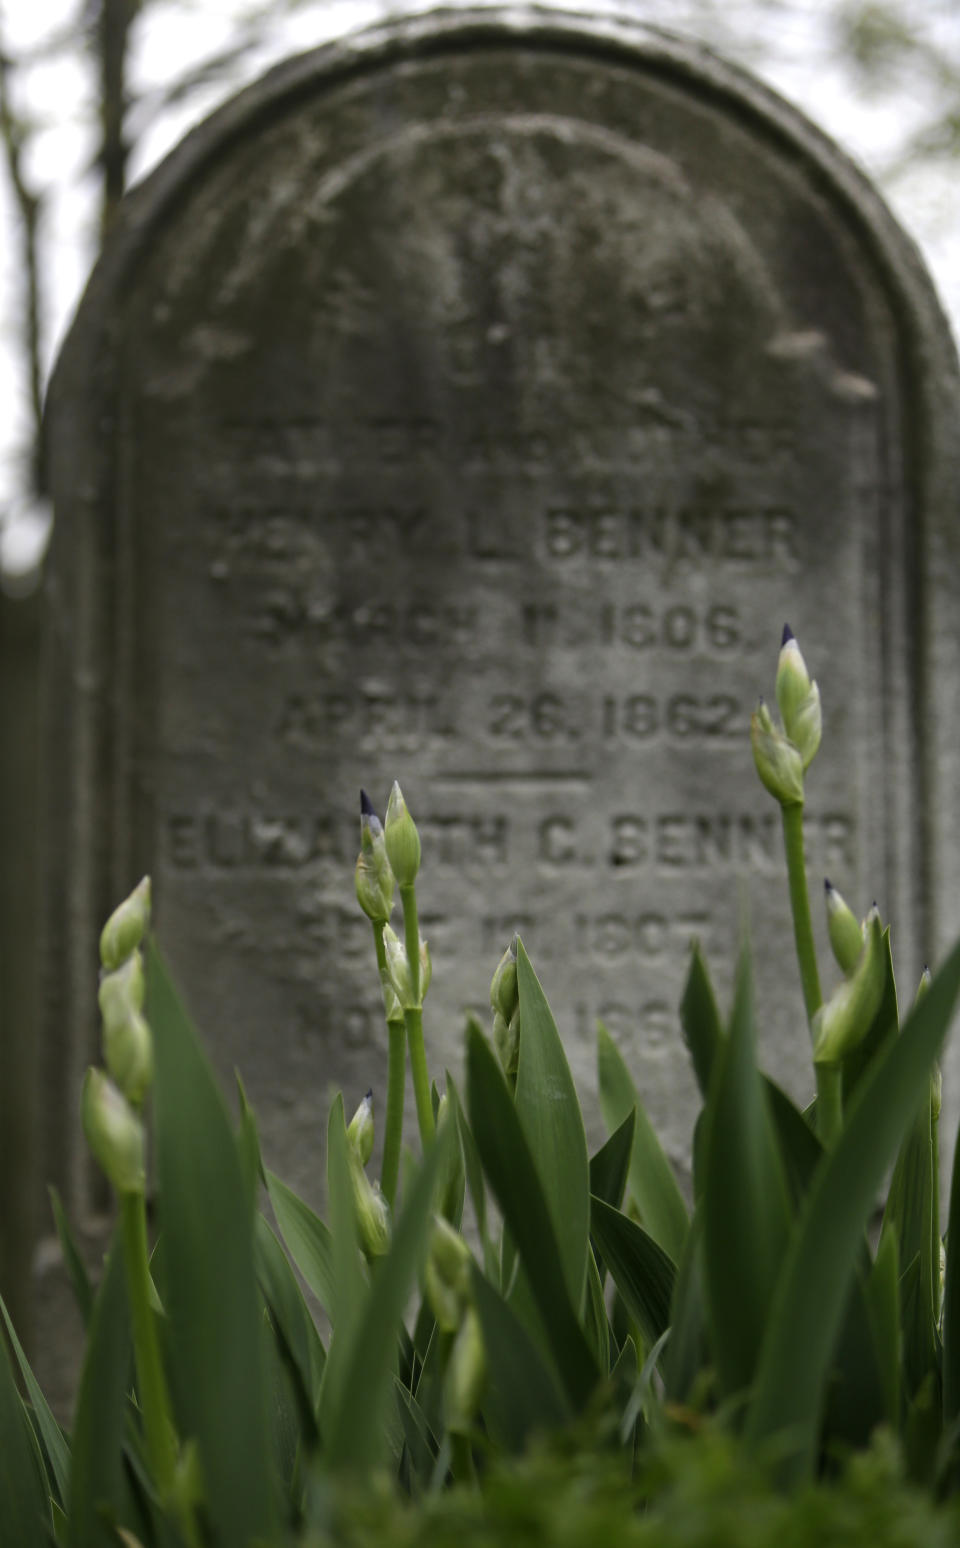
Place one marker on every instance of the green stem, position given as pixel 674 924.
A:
pixel 418 1069
pixel 151 1385
pixel 392 1134
pixel 800 907
pixel 396 1079
pixel 411 937
pixel 829 1103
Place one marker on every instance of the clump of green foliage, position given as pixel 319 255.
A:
pixel 528 1342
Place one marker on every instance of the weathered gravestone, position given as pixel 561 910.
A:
pixel 470 403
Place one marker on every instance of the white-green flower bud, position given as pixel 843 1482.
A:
pixel 506 1040
pixel 114 1132
pixel 360 1130
pixel 798 699
pixel 371 1210
pixel 843 928
pixel 447 1275
pixel 402 839
pixel 126 927
pixel 398 969
pixel 778 762
pixel 449 1187
pixel 504 989
pixel 843 1021
pixel 466 1376
pixel 373 879
pixel 123 990
pixel 128 1052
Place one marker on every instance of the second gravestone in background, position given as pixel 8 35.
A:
pixel 470 403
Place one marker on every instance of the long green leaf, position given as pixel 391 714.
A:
pixel 687 1353
pixel 595 1321
pixel 76 1269
pixel 909 1212
pixel 610 1165
pixel 211 1298
pixel 951 1303
pixel 746 1211
pixel 510 1169
pixel 24 1494
pixel 653 1186
pixel 350 1289
pixel 550 1116
pixel 306 1239
pixel 354 1429
pixel 883 1309
pixel 291 1317
pixel 99 1490
pixel 641 1270
pixel 700 1020
pixel 803 1325
pixel 523 1396
pixel 56 1446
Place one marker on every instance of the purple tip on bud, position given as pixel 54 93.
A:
pixel 787 635
pixel 369 1096
pixel 366 805
pixel 827 884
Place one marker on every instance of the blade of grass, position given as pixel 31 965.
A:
pixel 822 1254
pixel 653 1186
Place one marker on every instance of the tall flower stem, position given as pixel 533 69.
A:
pixel 411 937
pixel 800 908
pixel 413 1018
pixel 829 1103
pixel 396 1082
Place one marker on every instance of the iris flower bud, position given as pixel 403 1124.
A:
pixel 372 1213
pixel 843 928
pixel 798 699
pixel 466 1376
pixel 114 1132
pixel 844 1020
pixel 402 839
pixel 373 879
pixel 360 1130
pixel 778 762
pixel 447 1275
pixel 504 990
pixel 126 927
pixel 398 968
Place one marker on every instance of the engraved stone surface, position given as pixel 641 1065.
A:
pixel 470 404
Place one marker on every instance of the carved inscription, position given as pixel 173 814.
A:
pixel 514 517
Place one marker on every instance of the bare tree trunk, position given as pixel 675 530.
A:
pixel 113 31
pixel 13 136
